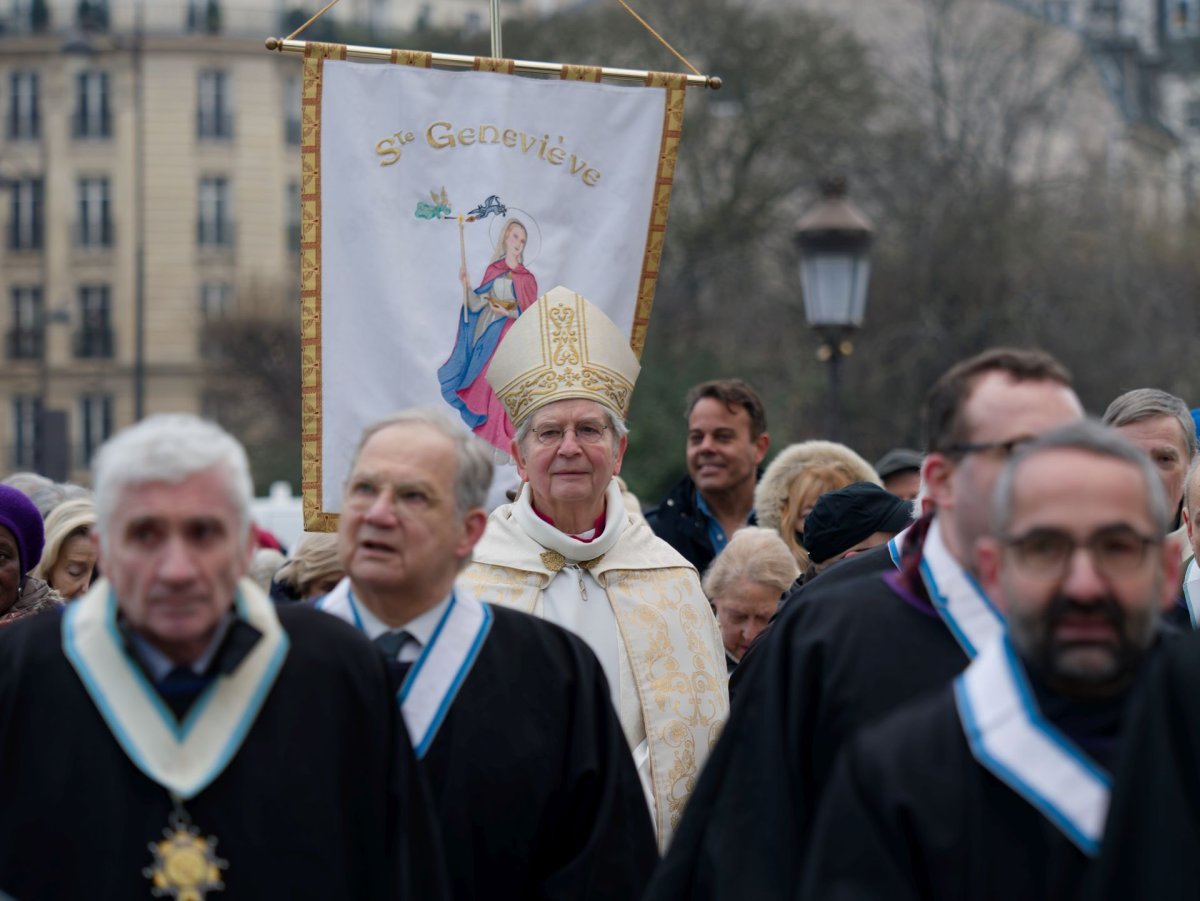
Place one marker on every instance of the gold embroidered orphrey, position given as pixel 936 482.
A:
pixel 186 866
pixel 674 86
pixel 567 368
pixel 673 654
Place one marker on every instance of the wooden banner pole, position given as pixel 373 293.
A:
pixel 524 67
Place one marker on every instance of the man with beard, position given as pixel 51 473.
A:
pixel 997 786
pixel 866 637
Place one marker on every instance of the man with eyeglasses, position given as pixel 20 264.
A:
pixel 567 550
pixel 997 786
pixel 869 635
pixel 509 716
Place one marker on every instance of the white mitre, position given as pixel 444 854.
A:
pixel 563 348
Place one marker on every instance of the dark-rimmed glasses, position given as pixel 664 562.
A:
pixel 1116 551
pixel 978 447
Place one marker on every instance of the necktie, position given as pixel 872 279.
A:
pixel 389 644
pixel 180 688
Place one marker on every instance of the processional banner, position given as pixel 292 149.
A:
pixel 437 206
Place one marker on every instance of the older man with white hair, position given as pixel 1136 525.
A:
pixel 567 550
pixel 174 734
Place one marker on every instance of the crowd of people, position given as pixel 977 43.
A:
pixel 961 673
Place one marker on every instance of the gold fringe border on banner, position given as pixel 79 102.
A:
pixel 310 285
pixel 668 155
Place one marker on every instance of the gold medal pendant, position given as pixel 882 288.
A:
pixel 186 866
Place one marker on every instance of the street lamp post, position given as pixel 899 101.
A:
pixel 834 240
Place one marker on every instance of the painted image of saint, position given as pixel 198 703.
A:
pixel 506 290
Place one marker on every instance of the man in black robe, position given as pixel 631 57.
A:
pixel 173 732
pixel 534 785
pixel 861 640
pixel 997 785
pixel 1153 832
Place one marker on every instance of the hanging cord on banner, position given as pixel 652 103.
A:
pixel 679 56
pixel 328 6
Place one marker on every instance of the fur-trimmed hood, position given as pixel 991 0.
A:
pixel 771 493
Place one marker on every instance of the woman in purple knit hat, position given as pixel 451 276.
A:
pixel 21 539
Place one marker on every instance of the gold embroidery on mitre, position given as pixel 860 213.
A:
pixel 563 347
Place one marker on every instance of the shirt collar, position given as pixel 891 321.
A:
pixel 421 628
pixel 158 664
pixel 587 535
pixel 716 535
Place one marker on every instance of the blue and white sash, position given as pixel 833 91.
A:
pixel 895 545
pixel 438 673
pixel 1009 737
pixel 1191 592
pixel 186 757
pixel 957 597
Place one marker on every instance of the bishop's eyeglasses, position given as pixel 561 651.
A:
pixel 552 434
pixel 1115 551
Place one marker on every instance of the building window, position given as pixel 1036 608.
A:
pixel 1184 16
pixel 23 113
pixel 1192 113
pixel 214 113
pixel 94 338
pixel 213 228
pixel 25 214
pixel 26 416
pixel 94 228
pixel 95 421
pixel 1057 12
pixel 292 113
pixel 92 15
pixel 28 330
pixel 216 300
pixel 204 16
pixel 92 116
pixel 293 216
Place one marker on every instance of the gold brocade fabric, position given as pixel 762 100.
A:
pixel 669 633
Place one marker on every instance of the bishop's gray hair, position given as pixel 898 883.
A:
pixel 169 447
pixel 1092 437
pixel 473 477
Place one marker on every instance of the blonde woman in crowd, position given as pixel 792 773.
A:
pixel 68 561
pixel 801 473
